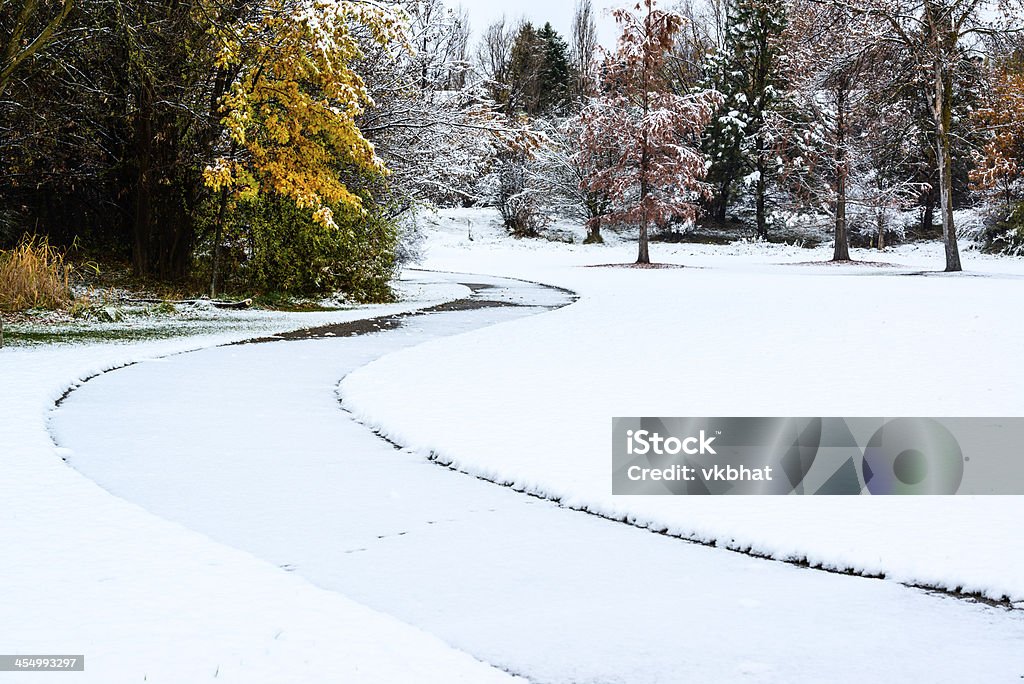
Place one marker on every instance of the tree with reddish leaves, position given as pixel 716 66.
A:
pixel 1000 164
pixel 639 138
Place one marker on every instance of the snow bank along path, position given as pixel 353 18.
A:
pixel 746 329
pixel 248 445
pixel 147 600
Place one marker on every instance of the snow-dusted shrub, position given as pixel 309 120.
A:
pixel 1006 236
pixel 512 189
pixel 411 237
pixel 971 224
pixel 869 222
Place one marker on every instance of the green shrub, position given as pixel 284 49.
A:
pixel 274 246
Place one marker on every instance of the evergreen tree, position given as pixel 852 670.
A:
pixel 555 78
pixel 525 64
pixel 749 73
pixel 538 77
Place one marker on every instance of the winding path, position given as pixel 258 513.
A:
pixel 247 445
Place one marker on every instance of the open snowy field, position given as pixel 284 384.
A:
pixel 523 584
pixel 743 330
pixel 221 506
pixel 147 600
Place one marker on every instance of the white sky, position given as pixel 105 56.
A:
pixel 559 12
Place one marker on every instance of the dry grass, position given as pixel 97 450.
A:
pixel 34 275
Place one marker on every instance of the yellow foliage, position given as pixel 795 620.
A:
pixel 292 111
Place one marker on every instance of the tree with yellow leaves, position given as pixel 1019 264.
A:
pixel 290 114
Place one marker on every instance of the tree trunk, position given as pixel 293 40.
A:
pixel 842 248
pixel 761 189
pixel 143 214
pixel 644 256
pixel 218 231
pixel 760 192
pixel 943 118
pixel 928 216
pixel 721 206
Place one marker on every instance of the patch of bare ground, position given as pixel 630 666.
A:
pixel 643 267
pixel 841 264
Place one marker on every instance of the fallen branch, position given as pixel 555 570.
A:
pixel 240 304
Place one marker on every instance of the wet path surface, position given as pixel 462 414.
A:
pixel 249 445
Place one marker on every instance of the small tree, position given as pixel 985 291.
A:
pixel 563 173
pixel 583 48
pixel 844 92
pixel 291 112
pixel 649 133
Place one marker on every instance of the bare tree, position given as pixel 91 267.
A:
pixel 494 57
pixel 583 48
pixel 837 74
pixel 440 37
pixel 937 34
pixel 563 170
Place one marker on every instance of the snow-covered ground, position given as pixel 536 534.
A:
pixel 146 600
pixel 530 587
pixel 746 329
pixel 320 513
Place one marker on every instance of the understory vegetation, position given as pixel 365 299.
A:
pixel 34 274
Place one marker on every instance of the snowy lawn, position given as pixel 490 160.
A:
pixel 744 330
pixel 143 599
pixel 524 584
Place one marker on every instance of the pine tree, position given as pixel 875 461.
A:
pixel 539 76
pixel 555 73
pixel 749 73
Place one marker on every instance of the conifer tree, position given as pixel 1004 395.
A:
pixel 749 72
pixel 555 73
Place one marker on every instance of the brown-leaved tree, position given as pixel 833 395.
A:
pixel 648 133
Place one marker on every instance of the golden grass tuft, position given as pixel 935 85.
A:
pixel 34 275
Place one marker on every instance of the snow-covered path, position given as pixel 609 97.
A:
pixel 248 445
